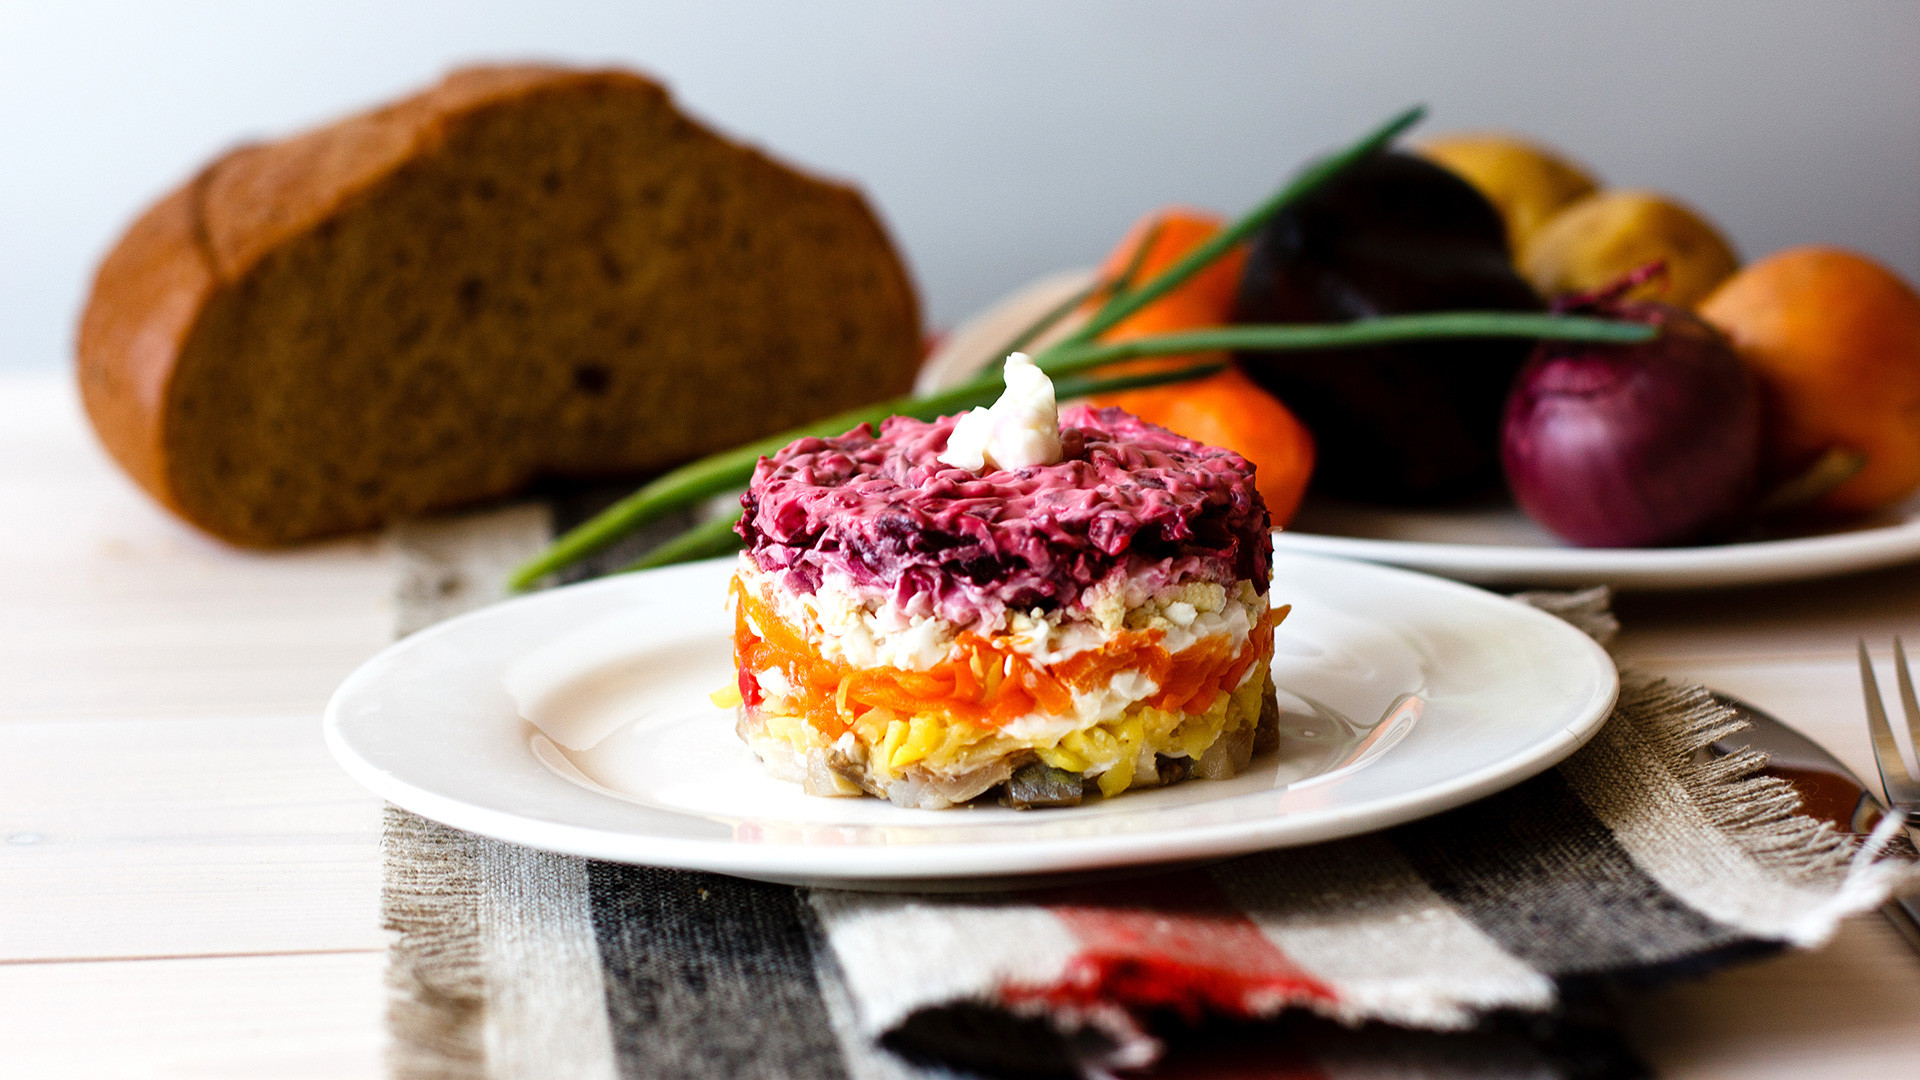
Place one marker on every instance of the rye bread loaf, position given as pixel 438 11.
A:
pixel 522 272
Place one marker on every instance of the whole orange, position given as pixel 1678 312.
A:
pixel 1835 340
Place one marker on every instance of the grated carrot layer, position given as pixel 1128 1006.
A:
pixel 983 681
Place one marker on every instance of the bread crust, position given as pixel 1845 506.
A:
pixel 146 297
pixel 190 256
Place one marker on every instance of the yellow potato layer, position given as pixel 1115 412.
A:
pixel 1109 749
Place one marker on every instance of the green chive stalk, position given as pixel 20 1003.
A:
pixel 1380 330
pixel 717 537
pixel 704 541
pixel 723 472
pixel 1310 179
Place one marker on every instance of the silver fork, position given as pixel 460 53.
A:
pixel 1903 792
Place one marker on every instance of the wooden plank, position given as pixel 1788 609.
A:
pixel 183 668
pixel 1844 1011
pixel 286 1017
pixel 117 609
pixel 129 838
pixel 1804 620
pixel 40 414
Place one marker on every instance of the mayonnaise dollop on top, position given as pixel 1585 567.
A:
pixel 1020 429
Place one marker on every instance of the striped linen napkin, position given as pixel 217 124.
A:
pixel 1485 941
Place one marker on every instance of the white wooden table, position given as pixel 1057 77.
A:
pixel 189 886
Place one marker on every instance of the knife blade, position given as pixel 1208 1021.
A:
pixel 1828 789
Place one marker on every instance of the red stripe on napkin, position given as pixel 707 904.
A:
pixel 1170 943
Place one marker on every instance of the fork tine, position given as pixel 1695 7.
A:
pixel 1886 753
pixel 1908 703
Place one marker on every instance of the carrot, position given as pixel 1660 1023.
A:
pixel 1227 409
pixel 828 692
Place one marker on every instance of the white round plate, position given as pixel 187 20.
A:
pixel 1404 695
pixel 1501 546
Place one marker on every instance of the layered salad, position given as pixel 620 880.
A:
pixel 1017 602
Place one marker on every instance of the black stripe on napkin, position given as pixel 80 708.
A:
pixel 1298 1046
pixel 1539 874
pixel 708 977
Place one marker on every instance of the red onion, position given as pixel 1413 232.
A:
pixel 1635 445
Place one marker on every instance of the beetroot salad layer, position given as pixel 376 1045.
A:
pixel 882 515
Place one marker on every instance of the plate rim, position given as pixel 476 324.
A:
pixel 1751 562
pixel 973 859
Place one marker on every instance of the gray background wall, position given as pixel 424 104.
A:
pixel 1001 139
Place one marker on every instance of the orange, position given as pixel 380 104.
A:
pixel 1835 340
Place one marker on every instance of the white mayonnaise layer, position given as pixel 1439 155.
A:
pixel 867 632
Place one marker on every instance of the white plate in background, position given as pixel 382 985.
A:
pixel 1501 546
